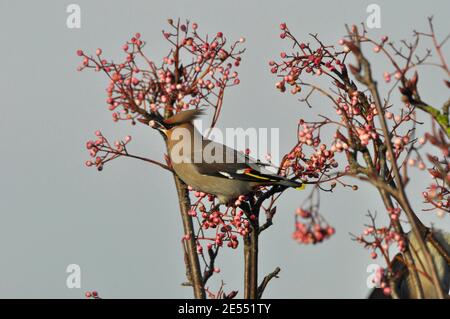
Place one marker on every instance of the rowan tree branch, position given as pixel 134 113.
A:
pixel 418 229
pixel 266 280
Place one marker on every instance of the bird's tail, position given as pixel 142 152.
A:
pixel 268 178
pixel 291 183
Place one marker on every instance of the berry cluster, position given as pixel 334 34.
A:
pixel 380 240
pixel 139 85
pixel 227 225
pixel 312 229
pixel 315 61
pixel 102 151
pixel 309 158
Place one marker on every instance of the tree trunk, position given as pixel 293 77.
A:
pixel 251 263
pixel 192 261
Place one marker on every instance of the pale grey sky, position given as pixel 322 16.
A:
pixel 122 225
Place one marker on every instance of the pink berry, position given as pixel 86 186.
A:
pixel 79 52
pixel 98 51
pixel 331 231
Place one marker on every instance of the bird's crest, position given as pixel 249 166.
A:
pixel 184 117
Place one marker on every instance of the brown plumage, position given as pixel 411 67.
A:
pixel 212 167
pixel 184 117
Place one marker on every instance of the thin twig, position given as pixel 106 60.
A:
pixel 262 286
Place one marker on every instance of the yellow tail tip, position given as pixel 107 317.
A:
pixel 300 187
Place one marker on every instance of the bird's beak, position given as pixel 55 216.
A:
pixel 162 130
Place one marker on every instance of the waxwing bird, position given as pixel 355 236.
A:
pixel 211 167
pixel 406 286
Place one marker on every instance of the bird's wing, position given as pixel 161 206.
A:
pixel 222 161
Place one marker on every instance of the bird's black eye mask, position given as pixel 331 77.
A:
pixel 159 125
pixel 156 122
